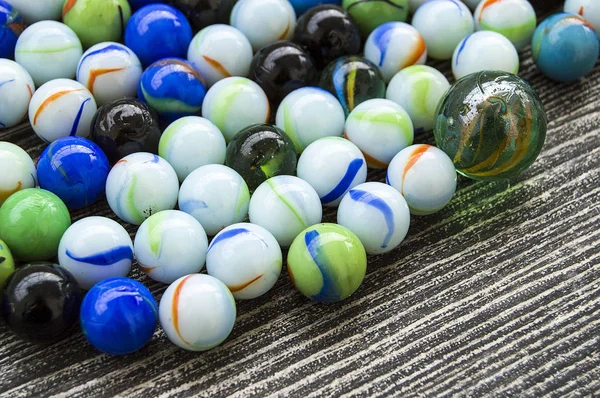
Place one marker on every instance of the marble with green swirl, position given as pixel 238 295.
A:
pixel 492 124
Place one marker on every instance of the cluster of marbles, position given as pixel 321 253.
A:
pixel 48 50
pixel 140 185
pixel 246 258
pixel 202 13
pixel 75 169
pixel 284 206
pixel 443 24
pixel 380 128
pixel 332 166
pixel 260 152
pixel 514 19
pixel 197 312
pixel 588 9
pixel 369 14
pixel 110 71
pixel 11 27
pixel 327 262
pixel 378 214
pixel 94 249
pixel 124 127
pixel 394 46
pixel 235 103
pixel 484 50
pixel 191 142
pixel 170 244
pixel 118 307
pixel 61 108
pixel 310 113
pixel 18 170
pixel 264 21
pixel 565 47
pixel 491 124
pixel 32 222
pixel 7 264
pixel 16 90
pixel 34 11
pixel 173 88
pixel 425 176
pixel 220 51
pixel 418 90
pixel 353 80
pixel 158 31
pixel 327 32
pixel 96 21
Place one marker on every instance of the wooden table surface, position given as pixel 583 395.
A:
pixel 497 294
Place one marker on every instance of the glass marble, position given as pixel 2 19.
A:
pixel 484 50
pixel 492 125
pixel 565 47
pixel 110 71
pixel 327 263
pixel 11 27
pixel 18 170
pixel 124 127
pixel 158 31
pixel 197 312
pixel 264 21
pixel 394 46
pixel 75 169
pixel 216 196
pixel 61 108
pixel 48 50
pixel 514 19
pixel 327 32
pixel 246 258
pixel 308 114
pixel 94 249
pixel 353 80
pixel 170 244
pixel 284 206
pixel 443 24
pixel 588 9
pixel 119 316
pixel 220 51
pixel 16 90
pixel 380 128
pixel 260 152
pixel 140 185
pixel 173 88
pixel 302 6
pixel 192 142
pixel 203 13
pixel 332 166
pixel 235 103
pixel 425 176
pixel 41 10
pixel 280 68
pixel 418 89
pixel 378 214
pixel 41 302
pixel 97 21
pixel 32 221
pixel 7 264
pixel 370 14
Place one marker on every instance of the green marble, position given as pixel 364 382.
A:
pixel 97 21
pixel 7 264
pixel 491 124
pixel 327 262
pixel 259 152
pixel 32 221
pixel 369 14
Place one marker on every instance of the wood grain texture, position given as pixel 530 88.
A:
pixel 496 295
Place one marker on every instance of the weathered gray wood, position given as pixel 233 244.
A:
pixel 498 294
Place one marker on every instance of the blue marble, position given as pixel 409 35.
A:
pixel 565 47
pixel 158 31
pixel 344 183
pixel 119 316
pixel 11 27
pixel 376 202
pixel 301 6
pixel 106 258
pixel 173 88
pixel 75 169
